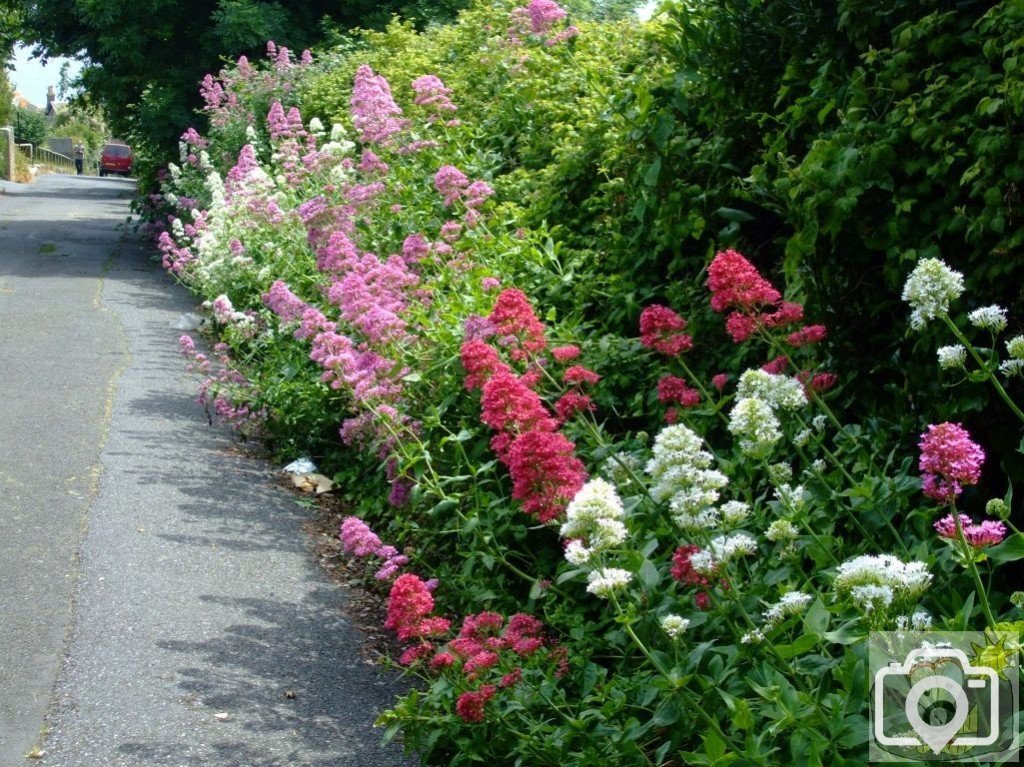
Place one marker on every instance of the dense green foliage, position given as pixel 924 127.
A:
pixel 31 126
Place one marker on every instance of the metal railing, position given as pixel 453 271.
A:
pixel 45 156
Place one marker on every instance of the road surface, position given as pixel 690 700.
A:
pixel 159 604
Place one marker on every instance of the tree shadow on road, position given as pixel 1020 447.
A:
pixel 292 674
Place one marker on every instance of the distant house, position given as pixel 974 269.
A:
pixel 53 107
pixel 21 102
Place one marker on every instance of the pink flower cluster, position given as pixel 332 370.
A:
pixel 374 112
pixel 176 257
pixel 224 388
pixel 949 460
pixel 359 540
pixel 432 92
pixel 989 532
pixel 539 18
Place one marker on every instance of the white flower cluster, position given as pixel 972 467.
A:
pixel 722 549
pixel 753 421
pixel 753 418
pixel 781 531
pixel 791 603
pixel 919 621
pixel 790 497
pixel 989 318
pixel 779 391
pixel 951 357
pixel 876 582
pixel 674 625
pixel 683 476
pixel 734 513
pixel 929 290
pixel 606 581
pixel 593 522
pixel 1015 365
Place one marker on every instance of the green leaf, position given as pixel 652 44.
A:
pixel 733 215
pixel 652 172
pixel 849 633
pixel 799 647
pixel 590 676
pixel 816 619
pixel 668 713
pixel 1009 550
pixel 649 575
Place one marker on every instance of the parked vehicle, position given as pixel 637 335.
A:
pixel 116 158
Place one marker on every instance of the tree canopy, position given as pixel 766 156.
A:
pixel 144 60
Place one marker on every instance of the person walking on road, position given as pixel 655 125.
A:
pixel 79 157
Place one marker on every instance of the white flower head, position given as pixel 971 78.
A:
pixel 604 582
pixel 1015 347
pixel 791 603
pixel 779 391
pixel 929 290
pixel 725 548
pixel 781 531
pixel 734 512
pixel 871 598
pixel 989 318
pixel 790 497
pixel 674 625
pixel 905 580
pixel 952 357
pixel 752 637
pixel 683 475
pixel 576 554
pixel 819 421
pixel 1012 367
pixel 703 563
pixel 756 426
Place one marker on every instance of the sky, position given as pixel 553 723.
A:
pixel 30 78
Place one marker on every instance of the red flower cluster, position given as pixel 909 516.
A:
pixel 409 607
pixel 514 318
pixel 470 705
pixel 571 403
pixel 736 285
pixel 662 329
pixel 675 390
pixel 545 471
pixel 682 570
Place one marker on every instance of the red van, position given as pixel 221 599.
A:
pixel 116 158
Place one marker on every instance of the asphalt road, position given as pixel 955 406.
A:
pixel 158 601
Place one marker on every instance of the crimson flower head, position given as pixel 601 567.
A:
pixel 546 474
pixel 735 283
pixel 662 329
pixel 470 705
pixel 950 459
pixel 513 316
pixel 409 604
